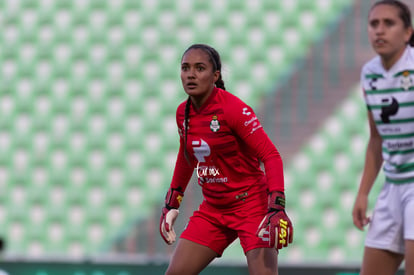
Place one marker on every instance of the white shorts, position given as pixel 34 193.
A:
pixel 393 219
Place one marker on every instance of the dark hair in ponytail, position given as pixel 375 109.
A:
pixel 186 114
pixel 404 13
pixel 216 61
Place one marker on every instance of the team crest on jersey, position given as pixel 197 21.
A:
pixel 214 124
pixel 406 81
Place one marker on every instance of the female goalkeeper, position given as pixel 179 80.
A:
pixel 221 137
pixel 388 84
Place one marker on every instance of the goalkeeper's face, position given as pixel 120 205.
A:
pixel 197 75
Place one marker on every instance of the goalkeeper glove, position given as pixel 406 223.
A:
pixel 169 214
pixel 276 223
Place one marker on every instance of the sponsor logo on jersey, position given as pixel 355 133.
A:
pixel 373 83
pixel 246 111
pixel 214 124
pixel 400 145
pixel 255 128
pixel 390 108
pixel 253 119
pixel 201 150
pixel 390 130
pixel 204 171
pixel 254 123
pixel 209 174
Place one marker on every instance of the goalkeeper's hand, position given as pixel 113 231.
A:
pixel 169 215
pixel 276 224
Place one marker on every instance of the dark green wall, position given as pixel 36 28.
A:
pixel 88 268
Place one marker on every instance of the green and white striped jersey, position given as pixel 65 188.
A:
pixel 389 95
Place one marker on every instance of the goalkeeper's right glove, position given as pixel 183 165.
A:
pixel 169 214
pixel 276 223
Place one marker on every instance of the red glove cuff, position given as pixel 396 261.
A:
pixel 173 199
pixel 277 201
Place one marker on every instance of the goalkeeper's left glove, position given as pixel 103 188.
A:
pixel 276 223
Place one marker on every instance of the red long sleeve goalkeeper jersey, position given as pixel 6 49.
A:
pixel 225 144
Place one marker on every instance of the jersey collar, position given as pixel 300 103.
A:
pixel 401 63
pixel 207 102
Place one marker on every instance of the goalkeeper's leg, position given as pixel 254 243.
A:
pixel 190 258
pixel 262 261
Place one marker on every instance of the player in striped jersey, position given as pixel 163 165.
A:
pixel 222 139
pixel 388 84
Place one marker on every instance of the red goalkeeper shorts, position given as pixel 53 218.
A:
pixel 218 228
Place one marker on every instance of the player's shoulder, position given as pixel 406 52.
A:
pixel 410 54
pixel 229 99
pixel 410 49
pixel 372 66
pixel 233 107
pixel 180 112
pixel 181 106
